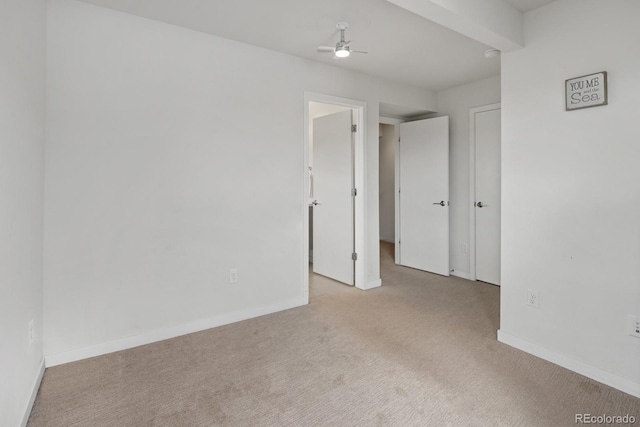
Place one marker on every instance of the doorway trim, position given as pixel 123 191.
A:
pixel 472 182
pixel 359 119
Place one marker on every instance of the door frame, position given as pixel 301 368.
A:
pixel 359 119
pixel 472 182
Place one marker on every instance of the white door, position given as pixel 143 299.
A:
pixel 333 233
pixel 424 195
pixel 487 196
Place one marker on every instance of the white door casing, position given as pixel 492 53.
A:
pixel 485 125
pixel 423 167
pixel 333 220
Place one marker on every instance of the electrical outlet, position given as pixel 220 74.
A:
pixel 634 326
pixel 465 248
pixel 533 298
pixel 233 275
pixel 31 330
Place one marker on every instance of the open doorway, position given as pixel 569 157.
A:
pixel 387 188
pixel 334 211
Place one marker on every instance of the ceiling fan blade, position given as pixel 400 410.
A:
pixel 330 49
pixel 358 51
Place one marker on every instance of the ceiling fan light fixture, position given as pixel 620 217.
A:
pixel 342 48
pixel 342 52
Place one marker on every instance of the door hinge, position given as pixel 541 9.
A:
pixel 354 128
pixel 354 192
pixel 354 256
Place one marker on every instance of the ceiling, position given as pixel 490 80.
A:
pixel 528 5
pixel 402 47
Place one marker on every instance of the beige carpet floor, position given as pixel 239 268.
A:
pixel 421 350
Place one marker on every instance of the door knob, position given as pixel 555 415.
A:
pixel 315 203
pixel 479 204
pixel 440 203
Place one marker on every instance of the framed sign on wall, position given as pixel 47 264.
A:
pixel 586 91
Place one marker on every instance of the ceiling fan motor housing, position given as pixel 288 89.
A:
pixel 342 25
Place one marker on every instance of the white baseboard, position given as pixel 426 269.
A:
pixel 167 333
pixel 34 393
pixel 371 285
pixel 582 368
pixel 461 274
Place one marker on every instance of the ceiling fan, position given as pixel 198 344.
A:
pixel 342 49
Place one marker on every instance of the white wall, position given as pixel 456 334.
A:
pixel 571 191
pixel 455 103
pixel 387 178
pixel 162 143
pixel 22 49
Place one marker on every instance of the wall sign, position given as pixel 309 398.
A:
pixel 586 91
